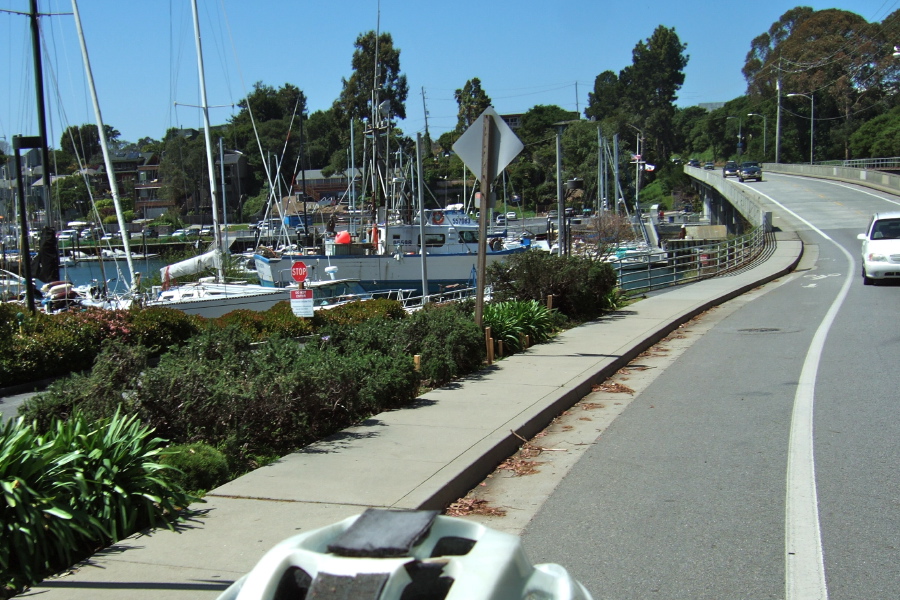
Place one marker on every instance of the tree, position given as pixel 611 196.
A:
pixel 276 115
pixel 472 101
pixel 72 193
pixel 84 141
pixel 764 61
pixel 606 99
pixel 390 83
pixel 650 85
pixel 837 57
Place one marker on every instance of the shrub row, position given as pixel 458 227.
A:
pixel 72 489
pixel 256 401
pixel 582 288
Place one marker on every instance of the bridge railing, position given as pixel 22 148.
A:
pixel 865 176
pixel 685 262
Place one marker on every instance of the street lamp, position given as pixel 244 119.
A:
pixel 764 130
pixel 740 144
pixel 812 122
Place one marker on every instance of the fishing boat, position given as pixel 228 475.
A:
pixel 391 256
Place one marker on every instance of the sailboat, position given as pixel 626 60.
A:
pixel 210 297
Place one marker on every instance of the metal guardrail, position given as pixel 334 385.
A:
pixel 863 163
pixel 655 270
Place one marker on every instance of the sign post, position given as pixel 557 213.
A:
pixel 486 147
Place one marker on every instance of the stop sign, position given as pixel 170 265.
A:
pixel 298 271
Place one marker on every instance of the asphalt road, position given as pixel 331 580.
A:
pixel 702 489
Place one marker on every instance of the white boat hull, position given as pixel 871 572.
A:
pixel 213 300
pixel 400 270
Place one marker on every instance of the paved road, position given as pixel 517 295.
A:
pixel 686 494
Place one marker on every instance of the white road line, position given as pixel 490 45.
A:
pixel 853 188
pixel 804 559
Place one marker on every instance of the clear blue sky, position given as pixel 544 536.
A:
pixel 526 52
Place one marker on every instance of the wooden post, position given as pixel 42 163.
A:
pixel 486 178
pixel 417 361
pixel 489 345
pixel 523 341
pixel 499 347
pixel 550 302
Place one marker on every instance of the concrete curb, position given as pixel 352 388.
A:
pixel 473 470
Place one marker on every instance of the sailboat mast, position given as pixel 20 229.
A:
pixel 204 105
pixel 104 145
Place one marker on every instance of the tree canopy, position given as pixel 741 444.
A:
pixel 472 101
pixel 388 80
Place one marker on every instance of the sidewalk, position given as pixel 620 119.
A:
pixel 423 456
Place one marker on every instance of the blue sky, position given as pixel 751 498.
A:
pixel 525 52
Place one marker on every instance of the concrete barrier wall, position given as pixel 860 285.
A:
pixel 743 199
pixel 878 180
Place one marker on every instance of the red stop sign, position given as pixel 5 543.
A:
pixel 298 271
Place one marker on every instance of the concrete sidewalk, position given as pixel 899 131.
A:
pixel 423 456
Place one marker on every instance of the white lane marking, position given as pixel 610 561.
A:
pixel 804 559
pixel 852 188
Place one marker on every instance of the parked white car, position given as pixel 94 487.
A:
pixel 881 248
pixel 67 235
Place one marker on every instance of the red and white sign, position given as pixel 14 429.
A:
pixel 298 271
pixel 302 303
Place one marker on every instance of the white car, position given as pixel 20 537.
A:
pixel 512 216
pixel 67 235
pixel 881 248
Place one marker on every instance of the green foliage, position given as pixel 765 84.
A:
pixel 74 488
pixel 511 321
pixel 159 328
pixel 447 339
pixel 96 395
pixel 393 87
pixel 472 101
pixel 357 312
pixel 581 288
pixel 878 137
pixel 196 467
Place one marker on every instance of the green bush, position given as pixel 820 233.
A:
pixel 281 320
pixel 581 288
pixel 447 339
pixel 510 321
pixel 357 312
pixel 96 395
pixel 75 488
pixel 196 467
pixel 159 328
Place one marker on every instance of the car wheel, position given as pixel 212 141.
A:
pixel 866 279
pixel 741 179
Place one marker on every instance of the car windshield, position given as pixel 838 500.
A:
pixel 886 229
pixel 751 164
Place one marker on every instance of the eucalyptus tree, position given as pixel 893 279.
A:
pixel 650 88
pixel 371 73
pixel 472 101
pixel 835 56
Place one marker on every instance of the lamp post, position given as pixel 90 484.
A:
pixel 812 122
pixel 764 130
pixel 740 144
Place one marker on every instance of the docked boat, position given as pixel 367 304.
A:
pixel 391 257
